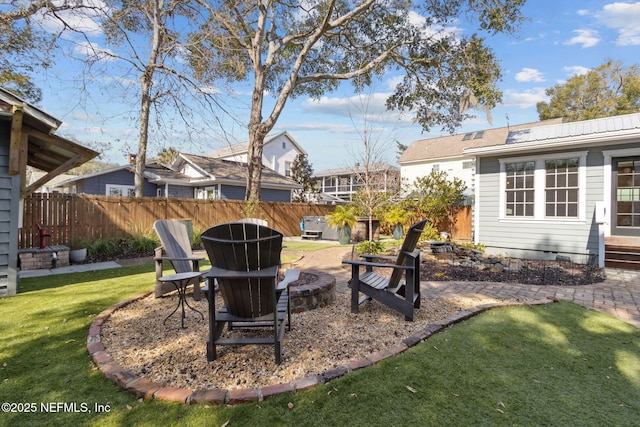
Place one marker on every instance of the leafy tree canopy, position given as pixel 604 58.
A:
pixel 436 195
pixel 290 48
pixel 609 90
pixel 301 172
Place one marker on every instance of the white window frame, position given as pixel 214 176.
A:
pixel 539 187
pixel 125 190
pixel 287 168
pixel 201 192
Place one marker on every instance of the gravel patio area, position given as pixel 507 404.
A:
pixel 320 340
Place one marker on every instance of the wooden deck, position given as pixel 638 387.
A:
pixel 622 252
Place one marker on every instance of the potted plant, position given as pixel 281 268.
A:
pixel 396 217
pixel 344 218
pixel 78 250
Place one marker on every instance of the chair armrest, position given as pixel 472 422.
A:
pixel 377 264
pixel 289 276
pixel 166 258
pixel 221 273
pixel 413 254
pixel 374 256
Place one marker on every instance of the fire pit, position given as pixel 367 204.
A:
pixel 314 289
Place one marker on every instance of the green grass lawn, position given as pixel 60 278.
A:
pixel 558 364
pixel 307 245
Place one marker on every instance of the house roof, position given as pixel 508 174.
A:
pixel 452 146
pixel 616 129
pixel 44 150
pixel 243 147
pixel 94 174
pixel 352 170
pixel 212 170
pixel 225 171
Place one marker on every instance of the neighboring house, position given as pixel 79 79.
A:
pixel 48 187
pixel 118 181
pixel 339 185
pixel 447 154
pixel 279 153
pixel 27 139
pixel 562 190
pixel 189 176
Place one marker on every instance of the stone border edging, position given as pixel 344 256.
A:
pixel 146 389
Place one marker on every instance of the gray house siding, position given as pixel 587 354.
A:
pixel 180 191
pixel 9 206
pixel 231 192
pixel 538 238
pixel 269 195
pixel 98 184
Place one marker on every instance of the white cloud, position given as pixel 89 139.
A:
pixel 575 70
pixel 356 105
pixel 529 75
pixel 535 38
pixel 93 51
pixel 624 18
pixel 337 128
pixel 524 99
pixel 586 38
pixel 582 12
pixel 84 20
pixel 392 82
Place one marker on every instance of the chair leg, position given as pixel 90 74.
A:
pixel 355 288
pixel 211 351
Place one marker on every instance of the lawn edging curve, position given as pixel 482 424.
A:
pixel 146 389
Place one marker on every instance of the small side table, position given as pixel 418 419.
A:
pixel 180 281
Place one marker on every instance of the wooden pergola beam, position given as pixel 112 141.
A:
pixel 17 144
pixel 70 164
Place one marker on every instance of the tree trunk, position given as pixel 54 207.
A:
pixel 254 163
pixel 141 158
pixel 257 133
pixel 146 82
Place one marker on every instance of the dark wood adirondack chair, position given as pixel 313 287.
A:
pixel 176 248
pixel 402 297
pixel 246 260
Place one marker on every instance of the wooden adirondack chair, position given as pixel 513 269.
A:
pixel 402 297
pixel 246 259
pixel 176 248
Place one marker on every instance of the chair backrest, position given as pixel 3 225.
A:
pixel 174 237
pixel 409 245
pixel 245 247
pixel 258 221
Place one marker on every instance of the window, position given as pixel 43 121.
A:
pixel 435 168
pixel 561 189
pixel 284 145
pixel 208 193
pixel 120 190
pixel 287 168
pixel 519 189
pixel 468 165
pixel 467 136
pixel 551 187
pixel 479 134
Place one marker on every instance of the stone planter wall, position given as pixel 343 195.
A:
pixel 38 259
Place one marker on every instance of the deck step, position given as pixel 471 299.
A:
pixel 622 256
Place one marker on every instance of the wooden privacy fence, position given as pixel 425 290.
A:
pixel 72 217
pixel 461 229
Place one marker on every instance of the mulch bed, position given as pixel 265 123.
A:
pixel 536 272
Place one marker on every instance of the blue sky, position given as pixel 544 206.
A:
pixel 559 39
